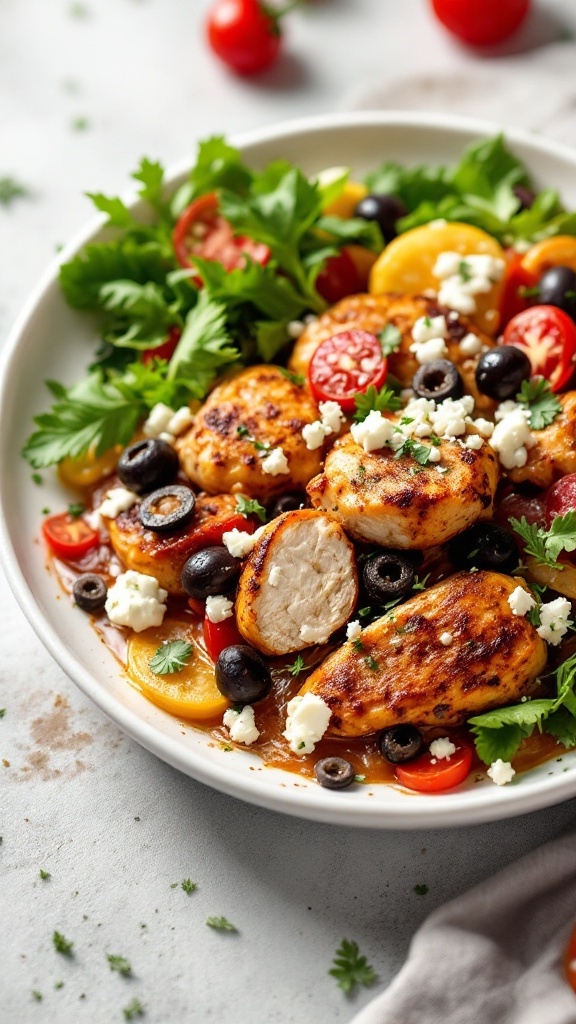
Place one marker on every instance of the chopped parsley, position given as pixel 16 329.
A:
pixel 385 400
pixel 421 890
pixel 58 984
pixel 61 944
pixel 294 378
pixel 221 924
pixel 10 189
pixel 80 124
pixel 44 874
pixel 464 271
pixel 371 663
pixel 420 584
pixel 250 507
pixel 351 969
pixel 545 545
pixel 297 666
pixel 357 643
pixel 390 339
pixel 2 712
pixel 36 479
pixel 119 964
pixel 76 509
pixel 536 395
pixel 189 886
pixel 134 1009
pixel 171 657
pixel 243 433
pixel 419 452
pixel 37 995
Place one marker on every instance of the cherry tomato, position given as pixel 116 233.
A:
pixel 166 350
pixel 548 336
pixel 570 961
pixel 210 532
pixel 201 231
pixel 339 277
pixel 244 35
pixel 514 506
pixel 424 776
pixel 345 364
pixel 197 606
pixel 219 635
pixel 69 537
pixel 517 277
pixel 560 498
pixel 484 23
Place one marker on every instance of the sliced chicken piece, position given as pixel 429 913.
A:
pixel 224 449
pixel 299 584
pixel 554 454
pixel 399 504
pixel 403 672
pixel 163 556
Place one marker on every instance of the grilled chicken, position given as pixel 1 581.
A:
pixel 163 555
pixel 372 313
pixel 299 584
pixel 258 407
pixel 396 503
pixel 403 673
pixel 554 453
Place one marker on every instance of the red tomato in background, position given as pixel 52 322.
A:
pixel 201 231
pixel 165 351
pixel 345 364
pixel 69 537
pixel 548 337
pixel 560 498
pixel 425 777
pixel 516 278
pixel 220 635
pixel 570 961
pixel 514 506
pixel 339 277
pixel 481 22
pixel 243 35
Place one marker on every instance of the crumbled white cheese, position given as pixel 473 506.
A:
pixel 117 500
pixel 442 748
pixel 428 327
pixel 331 417
pixel 275 462
pixel 428 351
pixel 295 328
pixel 473 441
pixel 241 725
pixel 307 720
pixel 435 455
pixel 180 421
pixel 373 432
pixel 484 427
pixel 501 772
pixel 274 575
pixel 463 277
pixel 512 438
pixel 520 601
pixel 137 601
pixel 314 435
pixel 470 345
pixel 219 608
pixel 446 639
pixel 554 620
pixel 158 419
pixel 353 630
pixel 239 543
pixel 442 469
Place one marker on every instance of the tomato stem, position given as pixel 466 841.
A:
pixel 277 13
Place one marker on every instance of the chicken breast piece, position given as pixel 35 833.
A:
pixel 163 555
pixel 373 313
pixel 397 503
pixel 299 584
pixel 554 453
pixel 404 673
pixel 223 450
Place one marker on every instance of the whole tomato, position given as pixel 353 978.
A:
pixel 481 22
pixel 244 34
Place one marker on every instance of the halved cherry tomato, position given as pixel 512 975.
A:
pixel 570 961
pixel 345 364
pixel 484 23
pixel 219 635
pixel 339 277
pixel 516 278
pixel 202 231
pixel 548 336
pixel 166 350
pixel 561 498
pixel 424 776
pixel 69 537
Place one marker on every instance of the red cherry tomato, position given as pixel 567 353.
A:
pixel 481 23
pixel 201 231
pixel 561 498
pixel 166 350
pixel 339 277
pixel 244 35
pixel 210 532
pixel 69 537
pixel 514 506
pixel 548 336
pixel 197 606
pixel 424 776
pixel 570 961
pixel 345 364
pixel 219 635
pixel 516 279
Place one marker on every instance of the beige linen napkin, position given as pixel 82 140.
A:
pixel 493 955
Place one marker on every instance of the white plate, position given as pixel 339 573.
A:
pixel 51 341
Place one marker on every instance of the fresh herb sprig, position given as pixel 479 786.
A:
pixel 544 406
pixel 545 545
pixel 221 924
pixel 385 400
pixel 171 657
pixel 250 507
pixel 350 968
pixel 119 964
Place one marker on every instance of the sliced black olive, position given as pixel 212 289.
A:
pixel 525 195
pixel 385 210
pixel 147 464
pixel 89 592
pixel 438 379
pixel 500 372
pixel 387 575
pixel 334 772
pixel 400 743
pixel 557 287
pixel 242 675
pixel 209 572
pixel 287 503
pixel 485 546
pixel 168 509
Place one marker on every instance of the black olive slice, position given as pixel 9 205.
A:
pixel 89 592
pixel 210 572
pixel 334 772
pixel 168 509
pixel 400 743
pixel 501 370
pixel 148 464
pixel 438 379
pixel 387 575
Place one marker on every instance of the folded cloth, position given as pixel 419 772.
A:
pixel 493 955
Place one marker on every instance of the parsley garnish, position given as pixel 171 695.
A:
pixel 536 395
pixel 298 666
pixel 2 712
pixel 10 189
pixel 171 657
pixel 357 643
pixel 390 339
pixel 420 584
pixel 76 509
pixel 119 964
pixel 250 507
pixel 36 479
pixel 421 890
pixel 58 984
pixel 351 969
pixel 134 1009
pixel 420 452
pixel 546 545
pixel 189 886
pixel 385 400
pixel 62 945
pixel 464 270
pixel 294 378
pixel 44 874
pixel 221 924
pixel 243 432
pixel 37 995
pixel 371 662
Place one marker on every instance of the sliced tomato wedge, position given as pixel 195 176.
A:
pixel 516 279
pixel 166 350
pixel 197 607
pixel 339 277
pixel 210 532
pixel 345 364
pixel 219 635
pixel 202 231
pixel 68 537
pixel 560 498
pixel 548 336
pixel 427 774
pixel 570 961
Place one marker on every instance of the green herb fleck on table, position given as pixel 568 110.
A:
pixel 61 944
pixel 226 748
pixel 171 657
pixel 189 886
pixel 44 874
pixel 119 964
pixel 297 666
pixel 545 545
pixel 76 509
pixel 36 995
pixel 421 890
pixel 10 189
pixel 58 984
pixel 36 479
pixel 385 400
pixel 221 924
pixel 250 507
pixel 351 969
pixel 80 124
pixel 2 712
pixel 536 395
pixel 134 1009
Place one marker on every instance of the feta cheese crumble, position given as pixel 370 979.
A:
pixel 470 345
pixel 554 620
pixel 353 630
pixel 219 608
pixel 520 601
pixel 512 436
pixel 428 351
pixel 428 335
pixel 241 725
pixel 463 277
pixel 137 601
pixel 501 772
pixel 275 462
pixel 442 748
pixel 167 423
pixel 373 432
pixel 117 500
pixel 331 421
pixel 307 720
pixel 446 639
pixel 295 328
pixel 239 543
pixel 275 575
pixel 314 435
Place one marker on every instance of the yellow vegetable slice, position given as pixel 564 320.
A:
pixel 88 469
pixel 347 201
pixel 551 252
pixel 191 692
pixel 405 266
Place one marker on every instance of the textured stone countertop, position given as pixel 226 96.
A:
pixel 86 88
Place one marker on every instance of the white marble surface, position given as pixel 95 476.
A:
pixel 114 826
